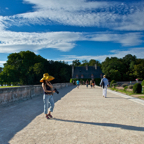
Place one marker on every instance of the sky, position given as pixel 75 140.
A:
pixel 72 29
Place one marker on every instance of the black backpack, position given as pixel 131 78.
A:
pixel 102 84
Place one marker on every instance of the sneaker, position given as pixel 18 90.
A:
pixel 49 115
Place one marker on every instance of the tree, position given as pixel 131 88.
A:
pixel 76 62
pixel 1 69
pixel 84 63
pixel 92 62
pixel 112 66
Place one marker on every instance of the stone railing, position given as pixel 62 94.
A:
pixel 24 92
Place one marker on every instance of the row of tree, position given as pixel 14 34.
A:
pixel 92 62
pixel 127 68
pixel 27 68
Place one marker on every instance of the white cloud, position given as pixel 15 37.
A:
pixel 63 41
pixel 1 63
pixel 138 52
pixel 113 15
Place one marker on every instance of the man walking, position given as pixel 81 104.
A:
pixel 104 84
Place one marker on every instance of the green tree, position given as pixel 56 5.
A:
pixel 1 69
pixel 92 62
pixel 113 66
pixel 76 62
pixel 139 70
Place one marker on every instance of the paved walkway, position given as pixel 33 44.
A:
pixel 81 116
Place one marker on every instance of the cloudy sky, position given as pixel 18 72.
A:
pixel 72 29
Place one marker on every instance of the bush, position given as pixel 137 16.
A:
pixel 125 88
pixel 112 82
pixel 130 86
pixel 142 83
pixel 71 80
pixel 114 85
pixel 125 84
pixel 137 88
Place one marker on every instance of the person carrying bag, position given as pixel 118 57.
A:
pixel 48 94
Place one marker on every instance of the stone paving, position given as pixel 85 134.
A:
pixel 81 116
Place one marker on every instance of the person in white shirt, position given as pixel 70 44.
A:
pixel 104 84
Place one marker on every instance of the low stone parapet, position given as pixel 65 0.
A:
pixel 13 94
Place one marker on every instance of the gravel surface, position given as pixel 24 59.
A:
pixel 81 116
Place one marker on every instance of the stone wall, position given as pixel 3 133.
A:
pixel 13 94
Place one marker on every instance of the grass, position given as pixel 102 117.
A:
pixel 141 97
pixel 122 91
pixel 7 86
pixel 130 93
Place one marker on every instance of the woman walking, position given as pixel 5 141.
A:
pixel 48 94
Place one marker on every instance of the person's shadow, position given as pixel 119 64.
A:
pixel 15 117
pixel 127 127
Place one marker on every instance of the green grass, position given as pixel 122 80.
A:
pixel 141 97
pixel 122 91
pixel 7 86
pixel 127 92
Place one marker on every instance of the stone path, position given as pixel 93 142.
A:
pixel 81 116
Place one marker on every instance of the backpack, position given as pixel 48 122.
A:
pixel 102 84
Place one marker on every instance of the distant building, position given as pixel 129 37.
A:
pixel 87 72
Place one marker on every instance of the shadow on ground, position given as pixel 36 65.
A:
pixel 16 117
pixel 127 127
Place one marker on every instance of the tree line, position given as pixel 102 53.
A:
pixel 127 68
pixel 27 68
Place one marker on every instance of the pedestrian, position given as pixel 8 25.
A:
pixel 77 83
pixel 73 82
pixel 91 83
pixel 104 84
pixel 87 82
pixel 48 95
pixel 83 82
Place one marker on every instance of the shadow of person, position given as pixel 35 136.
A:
pixel 127 127
pixel 17 116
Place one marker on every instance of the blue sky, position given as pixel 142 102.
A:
pixel 72 29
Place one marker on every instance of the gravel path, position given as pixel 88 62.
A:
pixel 81 116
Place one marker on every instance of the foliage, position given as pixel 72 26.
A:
pixel 92 62
pixel 71 80
pixel 130 86
pixel 76 62
pixel 1 69
pixel 125 88
pixel 126 69
pixel 125 84
pixel 114 85
pixel 112 82
pixel 142 83
pixel 137 88
pixel 27 68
